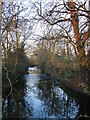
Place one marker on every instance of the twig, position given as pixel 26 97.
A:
pixel 8 80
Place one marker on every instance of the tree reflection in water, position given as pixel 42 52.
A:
pixel 14 106
pixel 36 98
pixel 56 101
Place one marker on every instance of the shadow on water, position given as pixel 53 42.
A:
pixel 14 105
pixel 84 104
pixel 36 98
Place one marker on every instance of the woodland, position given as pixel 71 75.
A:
pixel 53 35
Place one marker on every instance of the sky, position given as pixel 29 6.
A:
pixel 38 28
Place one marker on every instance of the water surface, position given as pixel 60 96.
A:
pixel 39 98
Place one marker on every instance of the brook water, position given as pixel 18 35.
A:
pixel 37 97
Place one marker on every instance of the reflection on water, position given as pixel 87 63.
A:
pixel 36 98
pixel 47 100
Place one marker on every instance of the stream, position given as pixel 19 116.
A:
pixel 38 97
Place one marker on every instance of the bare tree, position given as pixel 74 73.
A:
pixel 74 15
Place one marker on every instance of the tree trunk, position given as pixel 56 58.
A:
pixel 0 18
pixel 0 64
pixel 17 46
pixel 7 41
pixel 17 40
pixel 4 50
pixel 75 24
pixel 89 50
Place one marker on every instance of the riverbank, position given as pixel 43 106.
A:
pixel 68 86
pixel 76 78
pixel 81 97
